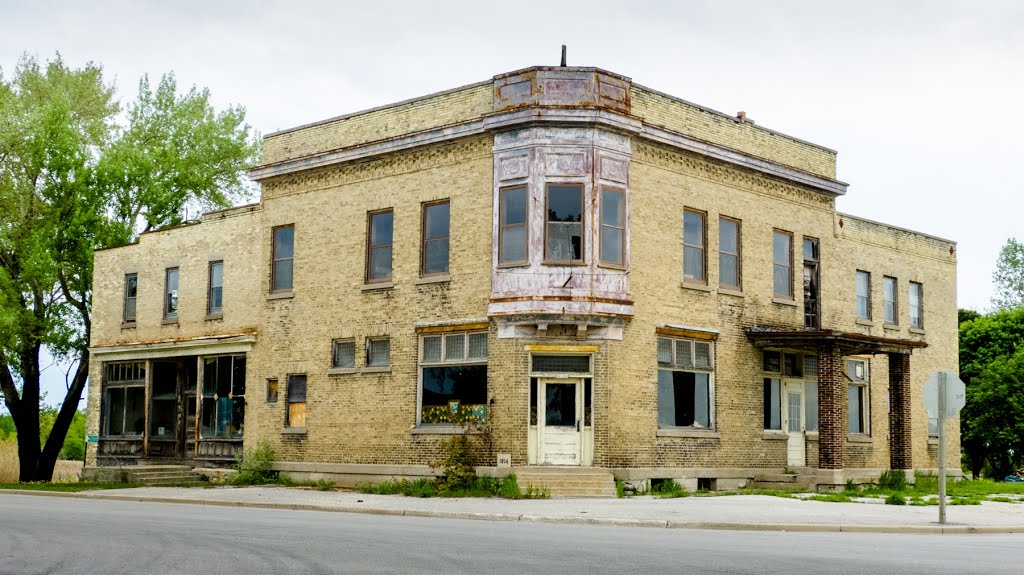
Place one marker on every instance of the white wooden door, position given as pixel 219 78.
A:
pixel 561 421
pixel 795 425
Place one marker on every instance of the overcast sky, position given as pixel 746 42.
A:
pixel 919 98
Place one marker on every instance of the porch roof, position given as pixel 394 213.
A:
pixel 849 343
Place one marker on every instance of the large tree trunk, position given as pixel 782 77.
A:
pixel 55 442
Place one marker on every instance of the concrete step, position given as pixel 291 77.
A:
pixel 783 485
pixel 567 481
pixel 164 475
pixel 795 478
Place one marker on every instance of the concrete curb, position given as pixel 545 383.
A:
pixel 478 516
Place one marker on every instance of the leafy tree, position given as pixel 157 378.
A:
pixel 72 179
pixel 1009 276
pixel 987 345
pixel 967 315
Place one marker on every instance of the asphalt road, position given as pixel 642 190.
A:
pixel 65 535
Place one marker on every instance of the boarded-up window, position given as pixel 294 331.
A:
pixel 296 401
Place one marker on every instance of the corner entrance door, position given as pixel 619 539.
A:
pixel 795 426
pixel 561 403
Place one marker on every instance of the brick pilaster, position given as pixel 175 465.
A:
pixel 900 456
pixel 830 407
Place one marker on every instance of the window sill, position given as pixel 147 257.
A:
pixel 436 279
pixel 442 429
pixel 891 326
pixel 378 285
pixel 776 435
pixel 569 263
pixel 933 441
pixel 281 295
pixel 169 321
pixel 377 369
pixel 128 325
pixel 784 301
pixel 859 438
pixel 696 286
pixel 341 370
pixel 812 436
pixel 510 265
pixel 917 330
pixel 687 432
pixel 293 431
pixel 214 316
pixel 731 292
pixel 864 321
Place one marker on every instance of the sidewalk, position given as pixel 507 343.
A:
pixel 740 512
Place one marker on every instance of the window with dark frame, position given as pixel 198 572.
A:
pixel 215 299
pixel 171 293
pixel 729 264
pixel 613 227
pixel 453 377
pixel 778 365
pixel 915 303
pixel 296 415
pixel 564 243
pixel 435 240
pixel 857 397
pixel 782 264
pixel 694 242
pixel 378 352
pixel 685 383
pixel 380 233
pixel 282 259
pixel 343 354
pixel 512 228
pixel 222 411
pixel 125 398
pixel 889 300
pixel 863 295
pixel 131 292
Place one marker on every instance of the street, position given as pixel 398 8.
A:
pixel 67 535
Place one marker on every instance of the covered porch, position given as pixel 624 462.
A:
pixel 830 347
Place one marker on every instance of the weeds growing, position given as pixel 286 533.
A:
pixel 506 487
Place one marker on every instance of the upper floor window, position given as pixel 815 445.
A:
pixel 916 305
pixel 685 383
pixel 889 299
pixel 512 229
pixel 131 292
pixel 343 354
pixel 378 352
pixel 378 246
pixel 613 227
pixel 282 259
pixel 729 253
pixel 863 295
pixel 215 299
pixel 564 228
pixel 693 247
pixel 171 294
pixel 436 226
pixel 782 260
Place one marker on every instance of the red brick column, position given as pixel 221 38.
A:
pixel 830 407
pixel 900 456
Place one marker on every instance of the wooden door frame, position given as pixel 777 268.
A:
pixel 542 383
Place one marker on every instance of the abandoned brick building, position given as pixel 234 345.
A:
pixel 611 279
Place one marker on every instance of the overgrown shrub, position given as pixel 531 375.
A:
pixel 895 499
pixel 507 487
pixel 667 489
pixel 255 467
pixel 893 479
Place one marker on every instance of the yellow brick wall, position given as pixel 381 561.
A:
pixel 679 116
pixel 420 114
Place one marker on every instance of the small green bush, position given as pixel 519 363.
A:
pixel 620 488
pixel 895 499
pixel 668 489
pixel 893 479
pixel 255 467
pixel 324 485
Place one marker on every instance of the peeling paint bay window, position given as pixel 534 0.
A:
pixel 613 227
pixel 685 383
pixel 453 375
pixel 512 227
pixel 564 228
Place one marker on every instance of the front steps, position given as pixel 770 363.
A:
pixel 155 475
pixel 567 481
pixel 784 481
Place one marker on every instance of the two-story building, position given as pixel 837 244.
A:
pixel 604 275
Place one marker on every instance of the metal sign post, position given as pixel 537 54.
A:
pixel 942 448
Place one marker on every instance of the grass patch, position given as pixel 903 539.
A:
pixel 895 499
pixel 668 489
pixel 506 488
pixel 784 493
pixel 1002 499
pixel 67 487
pixel 620 488
pixel 832 498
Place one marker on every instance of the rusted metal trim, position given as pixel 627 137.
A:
pixel 683 332
pixel 450 328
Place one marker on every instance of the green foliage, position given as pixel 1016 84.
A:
pixel 1009 276
pixel 255 467
pixel 324 485
pixel 67 487
pixel 459 472
pixel 895 499
pixel 668 489
pixel 7 430
pixel 832 498
pixel 620 488
pixel 506 487
pixel 76 175
pixel 964 315
pixel 893 480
